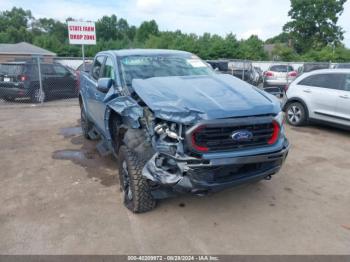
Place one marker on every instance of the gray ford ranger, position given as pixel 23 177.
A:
pixel 175 126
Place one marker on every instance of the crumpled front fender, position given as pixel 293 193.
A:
pixel 158 175
pixel 128 108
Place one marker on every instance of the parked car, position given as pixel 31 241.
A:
pixel 308 67
pixel 342 65
pixel 243 70
pixel 260 73
pixel 279 75
pixel 21 80
pixel 321 95
pixel 88 66
pixel 219 65
pixel 178 127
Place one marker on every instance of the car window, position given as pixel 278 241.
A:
pixel 281 68
pixel 97 67
pixel 11 69
pixel 47 69
pixel 332 81
pixel 312 67
pixel 60 70
pixel 343 66
pixel 108 69
pixel 347 83
pixel 161 65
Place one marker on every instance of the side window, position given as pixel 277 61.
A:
pixel 60 70
pixel 97 67
pixel 347 83
pixel 47 69
pixel 332 81
pixel 108 69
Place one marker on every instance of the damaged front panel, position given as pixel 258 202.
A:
pixel 188 99
pixel 128 108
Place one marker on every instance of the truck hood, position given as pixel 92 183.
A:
pixel 187 99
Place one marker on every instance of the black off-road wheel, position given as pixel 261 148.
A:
pixel 296 114
pixel 136 191
pixel 86 125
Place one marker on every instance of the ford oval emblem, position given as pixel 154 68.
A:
pixel 242 135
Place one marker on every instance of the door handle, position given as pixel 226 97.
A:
pixel 344 96
pixel 307 90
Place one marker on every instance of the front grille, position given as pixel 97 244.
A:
pixel 219 138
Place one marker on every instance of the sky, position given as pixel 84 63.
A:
pixel 243 18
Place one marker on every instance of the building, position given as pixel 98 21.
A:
pixel 22 51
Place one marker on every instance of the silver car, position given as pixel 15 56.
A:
pixel 322 95
pixel 279 75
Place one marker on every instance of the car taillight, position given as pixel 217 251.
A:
pixel 293 74
pixel 193 140
pixel 23 78
pixel 275 134
pixel 268 73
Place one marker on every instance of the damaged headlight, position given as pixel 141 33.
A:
pixel 280 118
pixel 172 130
pixel 277 124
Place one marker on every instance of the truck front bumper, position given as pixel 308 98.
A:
pixel 201 176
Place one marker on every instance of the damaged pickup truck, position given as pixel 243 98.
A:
pixel 175 126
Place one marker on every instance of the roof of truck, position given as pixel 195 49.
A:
pixel 129 52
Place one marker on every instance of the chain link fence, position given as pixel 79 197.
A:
pixel 44 80
pixel 40 80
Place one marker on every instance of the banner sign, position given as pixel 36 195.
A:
pixel 81 33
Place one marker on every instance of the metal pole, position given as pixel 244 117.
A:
pixel 243 69
pixel 83 54
pixel 40 81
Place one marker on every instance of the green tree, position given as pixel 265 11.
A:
pixel 16 17
pixel 145 30
pixel 51 27
pixel 106 28
pixel 278 39
pixel 314 23
pixel 14 25
pixel 284 53
pixel 252 49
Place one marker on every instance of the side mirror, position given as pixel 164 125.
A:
pixel 104 84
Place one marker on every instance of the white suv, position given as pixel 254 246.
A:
pixel 322 95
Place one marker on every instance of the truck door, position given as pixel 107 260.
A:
pixel 108 71
pixel 90 86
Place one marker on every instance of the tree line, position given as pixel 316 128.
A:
pixel 311 35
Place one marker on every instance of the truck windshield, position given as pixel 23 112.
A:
pixel 143 67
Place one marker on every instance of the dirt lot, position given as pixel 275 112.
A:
pixel 58 196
